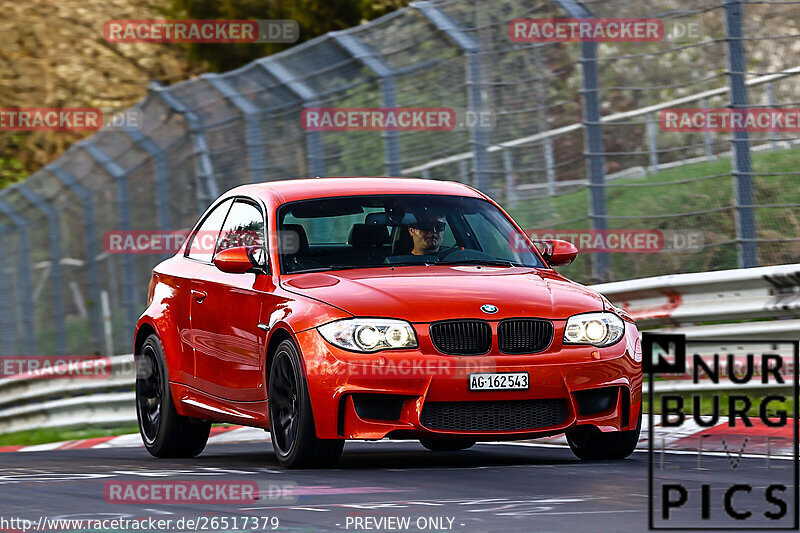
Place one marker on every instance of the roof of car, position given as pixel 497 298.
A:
pixel 300 189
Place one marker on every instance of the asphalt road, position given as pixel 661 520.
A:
pixel 491 487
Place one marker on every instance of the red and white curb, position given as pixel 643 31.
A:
pixel 759 439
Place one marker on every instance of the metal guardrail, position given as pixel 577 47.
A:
pixel 96 410
pixel 676 301
pixel 679 301
pixel 17 391
pixel 35 402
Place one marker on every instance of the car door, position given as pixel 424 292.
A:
pixel 199 250
pixel 226 310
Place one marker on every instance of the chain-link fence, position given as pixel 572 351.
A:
pixel 576 144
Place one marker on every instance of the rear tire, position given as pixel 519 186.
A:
pixel 589 443
pixel 291 420
pixel 164 432
pixel 446 445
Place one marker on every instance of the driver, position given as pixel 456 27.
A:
pixel 427 232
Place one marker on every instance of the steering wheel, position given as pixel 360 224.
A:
pixel 455 253
pixel 444 254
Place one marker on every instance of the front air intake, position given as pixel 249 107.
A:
pixel 524 335
pixel 509 415
pixel 462 337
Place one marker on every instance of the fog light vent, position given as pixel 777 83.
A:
pixel 379 406
pixel 594 401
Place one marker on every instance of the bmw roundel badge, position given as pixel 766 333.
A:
pixel 489 308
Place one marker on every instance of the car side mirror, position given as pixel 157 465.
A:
pixel 241 259
pixel 558 253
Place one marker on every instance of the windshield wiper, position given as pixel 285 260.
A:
pixel 489 262
pixel 351 267
pixel 334 267
pixel 306 270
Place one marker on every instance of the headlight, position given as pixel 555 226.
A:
pixel 597 329
pixel 369 334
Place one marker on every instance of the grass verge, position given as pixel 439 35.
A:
pixel 43 436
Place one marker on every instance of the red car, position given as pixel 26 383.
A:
pixel 366 308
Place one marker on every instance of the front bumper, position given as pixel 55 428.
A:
pixel 412 393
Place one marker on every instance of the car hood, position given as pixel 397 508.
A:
pixel 431 293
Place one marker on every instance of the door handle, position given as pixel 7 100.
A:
pixel 199 295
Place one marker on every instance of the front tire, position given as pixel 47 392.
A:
pixel 291 420
pixel 589 443
pixel 164 432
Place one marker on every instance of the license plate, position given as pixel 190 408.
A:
pixel 498 381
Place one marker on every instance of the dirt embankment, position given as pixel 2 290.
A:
pixel 52 53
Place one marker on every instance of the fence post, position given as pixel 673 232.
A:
pixel 475 103
pixel 203 168
pixel 116 172
pixel 773 135
pixel 57 280
pixel 595 159
pixel 376 64
pixel 315 150
pixel 26 285
pixel 8 330
pixel 160 170
pixel 511 185
pixel 463 171
pixel 90 236
pixel 255 151
pixel 593 140
pixel 708 141
pixel 742 169
pixel 652 141
pixel 550 166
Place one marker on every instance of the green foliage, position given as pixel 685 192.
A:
pixel 12 169
pixel 315 17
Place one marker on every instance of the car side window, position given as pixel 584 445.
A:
pixel 243 227
pixel 204 239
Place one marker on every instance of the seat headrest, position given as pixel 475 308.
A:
pixel 363 235
pixel 376 218
pixel 294 239
pixel 402 243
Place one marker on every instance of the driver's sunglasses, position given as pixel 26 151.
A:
pixel 437 226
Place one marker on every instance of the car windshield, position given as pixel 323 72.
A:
pixel 396 230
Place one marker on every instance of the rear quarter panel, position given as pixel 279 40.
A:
pixel 168 315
